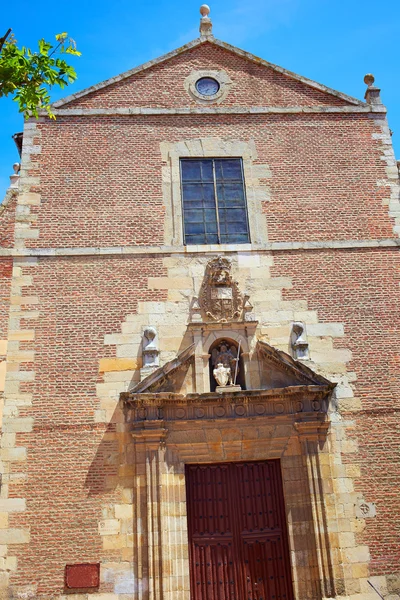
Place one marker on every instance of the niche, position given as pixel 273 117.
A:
pixel 225 351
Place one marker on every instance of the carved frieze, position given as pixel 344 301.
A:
pixel 305 402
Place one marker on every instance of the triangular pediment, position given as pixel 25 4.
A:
pixel 167 378
pixel 280 370
pixel 152 84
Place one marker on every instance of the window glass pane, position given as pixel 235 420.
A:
pixel 230 194
pixel 234 238
pixel 200 205
pixel 199 210
pixel 196 170
pixel 228 169
pixel 232 209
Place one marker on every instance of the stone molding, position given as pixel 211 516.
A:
pixel 224 84
pixel 218 110
pixel 220 44
pixel 213 148
pixel 166 250
pixel 308 404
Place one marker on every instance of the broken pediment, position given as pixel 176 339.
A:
pixel 279 370
pixel 170 377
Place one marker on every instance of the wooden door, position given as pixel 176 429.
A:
pixel 237 532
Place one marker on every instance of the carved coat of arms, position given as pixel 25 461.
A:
pixel 220 297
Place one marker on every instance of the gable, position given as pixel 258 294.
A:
pixel 161 83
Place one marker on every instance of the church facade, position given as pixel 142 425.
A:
pixel 199 337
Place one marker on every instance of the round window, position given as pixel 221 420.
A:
pixel 207 86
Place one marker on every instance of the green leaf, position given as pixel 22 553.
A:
pixel 28 76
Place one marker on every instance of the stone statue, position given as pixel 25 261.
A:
pixel 150 351
pixel 298 341
pixel 226 356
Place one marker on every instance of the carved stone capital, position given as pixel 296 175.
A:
pixel 312 429
pixel 151 433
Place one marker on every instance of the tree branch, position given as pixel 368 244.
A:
pixel 3 39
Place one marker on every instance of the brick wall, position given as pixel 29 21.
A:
pixel 163 85
pixel 359 289
pixel 107 191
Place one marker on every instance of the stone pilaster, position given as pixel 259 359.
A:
pixel 313 440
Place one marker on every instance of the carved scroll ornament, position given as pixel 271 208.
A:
pixel 220 297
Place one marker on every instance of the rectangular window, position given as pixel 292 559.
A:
pixel 214 201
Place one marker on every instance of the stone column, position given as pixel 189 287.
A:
pixel 161 544
pixel 315 452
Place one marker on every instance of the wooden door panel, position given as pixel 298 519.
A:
pixel 264 573
pixel 237 532
pixel 214 570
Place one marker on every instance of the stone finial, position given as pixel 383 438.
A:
pixel 372 93
pixel 298 341
pixel 205 21
pixel 14 179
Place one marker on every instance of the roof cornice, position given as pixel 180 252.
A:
pixel 217 110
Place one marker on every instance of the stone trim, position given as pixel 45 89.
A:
pixel 308 402
pixel 213 148
pixel 194 44
pixel 23 306
pixel 224 84
pixel 218 110
pixel 212 249
pixel 392 182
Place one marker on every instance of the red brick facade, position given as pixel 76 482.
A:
pixel 100 182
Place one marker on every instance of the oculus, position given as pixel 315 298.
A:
pixel 207 86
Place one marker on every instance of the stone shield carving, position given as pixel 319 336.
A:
pixel 220 297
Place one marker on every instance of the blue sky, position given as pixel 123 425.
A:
pixel 332 42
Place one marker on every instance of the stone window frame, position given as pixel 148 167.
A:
pixel 221 76
pixel 256 192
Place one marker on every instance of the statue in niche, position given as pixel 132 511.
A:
pixel 225 359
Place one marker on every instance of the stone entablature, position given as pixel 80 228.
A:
pixel 307 403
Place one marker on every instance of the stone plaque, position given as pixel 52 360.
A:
pixel 365 510
pixel 109 527
pixel 82 576
pixel 221 293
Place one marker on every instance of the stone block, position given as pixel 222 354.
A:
pixel 127 350
pixel 14 536
pixel 13 454
pixel 12 505
pixel 165 283
pixel 24 425
pixel 122 338
pixel 123 511
pixel 117 364
pixel 359 554
pixel 29 199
